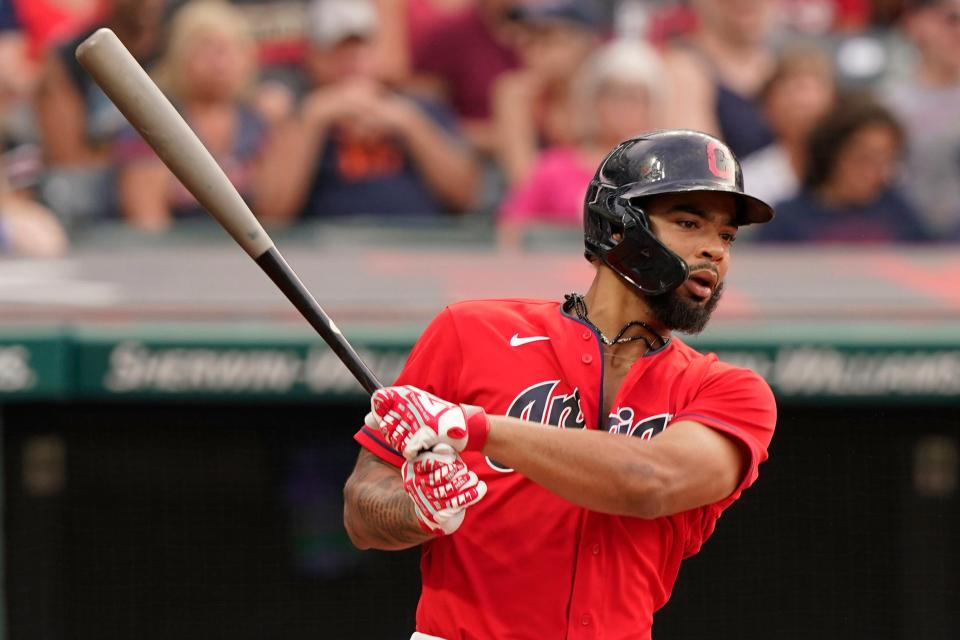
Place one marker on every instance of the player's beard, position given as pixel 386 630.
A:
pixel 679 313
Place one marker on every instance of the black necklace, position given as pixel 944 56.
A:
pixel 576 301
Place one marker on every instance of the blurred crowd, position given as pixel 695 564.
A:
pixel 844 113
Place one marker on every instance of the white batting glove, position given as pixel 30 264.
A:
pixel 441 488
pixel 413 420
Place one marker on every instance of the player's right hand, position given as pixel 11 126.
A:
pixel 413 420
pixel 441 488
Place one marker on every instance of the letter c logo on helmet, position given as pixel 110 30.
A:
pixel 661 162
pixel 717 161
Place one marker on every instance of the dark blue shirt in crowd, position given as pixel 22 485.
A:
pixel 804 218
pixel 743 126
pixel 358 176
pixel 8 16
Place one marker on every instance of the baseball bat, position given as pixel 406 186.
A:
pixel 135 94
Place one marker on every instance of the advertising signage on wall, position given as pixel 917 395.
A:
pixel 265 365
pixel 139 368
pixel 827 371
pixel 33 365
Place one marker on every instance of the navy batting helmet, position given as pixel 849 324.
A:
pixel 661 162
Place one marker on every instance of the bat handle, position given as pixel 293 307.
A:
pixel 287 281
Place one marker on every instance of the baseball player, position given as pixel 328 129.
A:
pixel 557 460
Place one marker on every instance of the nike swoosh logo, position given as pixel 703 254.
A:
pixel 517 341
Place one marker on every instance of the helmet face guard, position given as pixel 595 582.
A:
pixel 639 257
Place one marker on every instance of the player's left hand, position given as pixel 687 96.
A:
pixel 413 420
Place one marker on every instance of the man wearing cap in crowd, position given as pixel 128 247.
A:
pixel 357 146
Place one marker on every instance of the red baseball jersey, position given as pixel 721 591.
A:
pixel 527 564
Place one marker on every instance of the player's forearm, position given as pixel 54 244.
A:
pixel 593 469
pixel 377 512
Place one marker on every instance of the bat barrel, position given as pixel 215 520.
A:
pixel 129 87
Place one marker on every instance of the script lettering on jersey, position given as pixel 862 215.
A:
pixel 539 403
pixel 622 421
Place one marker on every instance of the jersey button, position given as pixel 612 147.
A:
pixel 586 620
pixel 586 335
pixel 596 549
pixel 586 358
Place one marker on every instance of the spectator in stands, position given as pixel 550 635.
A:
pixel 406 23
pixel 19 74
pixel 278 27
pixel 716 74
pixel 26 227
pixel 800 91
pixel 465 54
pixel 531 106
pixel 207 69
pixel 618 94
pixel 848 194
pixel 78 123
pixel 359 147
pixel 928 104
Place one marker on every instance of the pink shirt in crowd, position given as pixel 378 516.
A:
pixel 554 191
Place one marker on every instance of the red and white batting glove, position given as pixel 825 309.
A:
pixel 441 488
pixel 413 420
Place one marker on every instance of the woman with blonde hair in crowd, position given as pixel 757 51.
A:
pixel 208 71
pixel 616 96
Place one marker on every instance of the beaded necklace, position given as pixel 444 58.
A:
pixel 576 301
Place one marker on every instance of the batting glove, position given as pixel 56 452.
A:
pixel 413 420
pixel 441 488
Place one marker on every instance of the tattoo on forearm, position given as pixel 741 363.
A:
pixel 383 507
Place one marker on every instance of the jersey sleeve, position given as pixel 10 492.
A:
pixel 738 403
pixel 434 365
